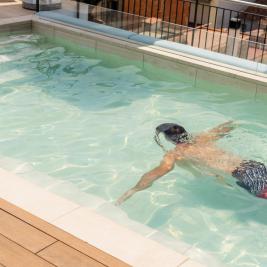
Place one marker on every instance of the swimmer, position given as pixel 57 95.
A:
pixel 202 150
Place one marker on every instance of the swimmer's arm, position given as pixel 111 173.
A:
pixel 217 132
pixel 148 178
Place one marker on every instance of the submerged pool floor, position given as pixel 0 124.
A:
pixel 90 120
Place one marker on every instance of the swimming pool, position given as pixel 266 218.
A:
pixel 89 119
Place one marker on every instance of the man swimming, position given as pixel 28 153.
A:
pixel 202 150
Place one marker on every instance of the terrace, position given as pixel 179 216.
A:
pixel 64 233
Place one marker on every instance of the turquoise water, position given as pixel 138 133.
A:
pixel 89 119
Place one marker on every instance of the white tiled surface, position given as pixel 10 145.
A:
pixel 119 50
pixel 262 89
pixel 119 216
pixel 74 35
pixel 170 242
pixel 45 28
pixel 32 198
pixel 21 19
pixel 85 42
pixel 184 70
pixel 261 94
pixel 16 25
pixel 73 193
pixel 224 81
pixel 205 64
pixel 128 246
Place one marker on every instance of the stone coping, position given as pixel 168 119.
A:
pixel 89 224
pixel 15 21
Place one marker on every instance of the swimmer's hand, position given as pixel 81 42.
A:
pixel 224 128
pixel 125 196
pixel 227 126
pixel 218 132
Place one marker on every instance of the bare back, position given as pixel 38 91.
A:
pixel 204 151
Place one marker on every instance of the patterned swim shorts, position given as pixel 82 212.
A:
pixel 252 176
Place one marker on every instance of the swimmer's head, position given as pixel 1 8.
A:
pixel 173 133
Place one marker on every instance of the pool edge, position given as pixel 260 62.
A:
pixel 88 225
pixel 188 65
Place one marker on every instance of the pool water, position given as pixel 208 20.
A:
pixel 89 119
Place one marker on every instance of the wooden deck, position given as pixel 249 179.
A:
pixel 28 241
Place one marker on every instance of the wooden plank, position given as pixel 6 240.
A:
pixel 63 236
pixel 64 256
pixel 23 233
pixel 11 254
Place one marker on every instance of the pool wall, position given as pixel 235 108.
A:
pixel 193 69
pixel 16 25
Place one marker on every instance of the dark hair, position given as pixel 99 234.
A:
pixel 172 132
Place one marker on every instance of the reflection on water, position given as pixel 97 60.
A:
pixel 91 122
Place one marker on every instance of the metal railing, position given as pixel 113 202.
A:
pixel 203 25
pixel 240 31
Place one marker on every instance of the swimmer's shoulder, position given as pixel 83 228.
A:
pixel 175 153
